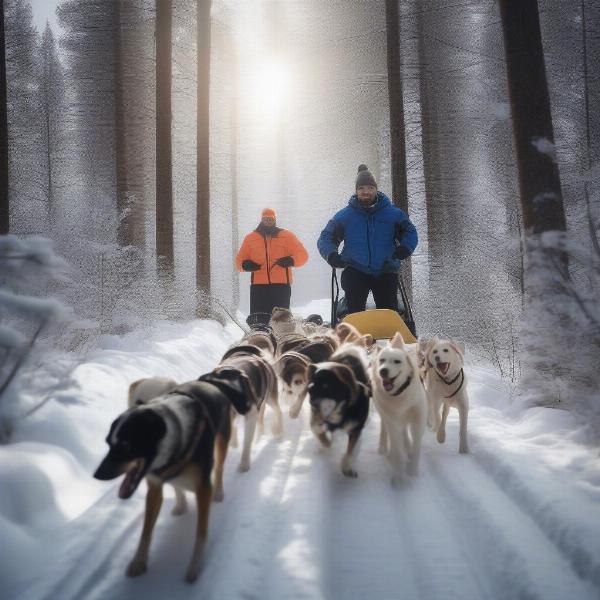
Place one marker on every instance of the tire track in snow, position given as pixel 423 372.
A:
pixel 77 546
pixel 513 554
pixel 585 561
pixel 400 543
pixel 244 538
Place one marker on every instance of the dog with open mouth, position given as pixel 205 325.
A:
pixel 339 392
pixel 176 437
pixel 446 386
pixel 400 400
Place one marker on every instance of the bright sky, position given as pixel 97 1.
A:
pixel 43 10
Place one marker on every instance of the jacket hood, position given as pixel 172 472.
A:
pixel 381 202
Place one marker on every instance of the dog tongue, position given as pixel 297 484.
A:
pixel 444 367
pixel 129 482
pixel 387 385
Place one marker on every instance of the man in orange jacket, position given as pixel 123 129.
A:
pixel 269 253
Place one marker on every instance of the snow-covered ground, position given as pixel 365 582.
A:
pixel 519 517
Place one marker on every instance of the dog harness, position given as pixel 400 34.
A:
pixel 403 386
pixel 461 374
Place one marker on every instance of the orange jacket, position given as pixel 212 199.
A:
pixel 266 250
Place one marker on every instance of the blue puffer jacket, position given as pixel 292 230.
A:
pixel 370 235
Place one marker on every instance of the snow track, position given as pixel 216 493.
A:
pixel 295 527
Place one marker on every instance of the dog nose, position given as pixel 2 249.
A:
pixel 383 372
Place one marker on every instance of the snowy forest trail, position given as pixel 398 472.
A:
pixel 294 527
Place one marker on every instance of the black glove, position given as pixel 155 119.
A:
pixel 250 265
pixel 401 252
pixel 335 261
pixel 285 262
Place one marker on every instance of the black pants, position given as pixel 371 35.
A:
pixel 265 297
pixel 357 286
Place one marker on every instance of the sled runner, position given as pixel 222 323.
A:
pixel 381 323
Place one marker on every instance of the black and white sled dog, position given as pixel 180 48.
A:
pixel 141 392
pixel 176 438
pixel 292 368
pixel 446 386
pixel 339 393
pixel 400 399
pixel 247 377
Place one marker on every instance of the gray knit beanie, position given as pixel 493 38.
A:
pixel 364 177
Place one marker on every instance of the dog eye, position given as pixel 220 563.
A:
pixel 435 351
pixel 445 349
pixel 397 362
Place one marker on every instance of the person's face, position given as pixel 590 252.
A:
pixel 366 194
pixel 268 221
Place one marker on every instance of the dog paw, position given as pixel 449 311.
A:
pixel 218 496
pixel 294 412
pixel 463 449
pixel 243 467
pixel 136 568
pixel 349 472
pixel 441 437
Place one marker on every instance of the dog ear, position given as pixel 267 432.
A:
pixel 310 371
pixel 458 347
pixel 397 341
pixel 234 384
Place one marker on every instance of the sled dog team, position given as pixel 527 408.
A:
pixel 179 433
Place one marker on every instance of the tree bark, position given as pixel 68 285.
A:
pixel 124 199
pixel 396 101
pixel 4 200
pixel 397 127
pixel 203 153
pixel 539 181
pixel 164 168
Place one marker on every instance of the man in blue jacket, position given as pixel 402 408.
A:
pixel 377 235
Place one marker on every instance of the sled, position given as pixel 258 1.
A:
pixel 381 323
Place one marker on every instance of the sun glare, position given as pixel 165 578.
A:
pixel 273 84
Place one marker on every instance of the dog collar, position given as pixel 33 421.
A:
pixel 403 386
pixel 461 374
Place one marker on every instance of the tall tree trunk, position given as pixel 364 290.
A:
pixel 431 163
pixel 397 134
pixel 539 181
pixel 588 137
pixel 233 171
pixel 124 199
pixel 548 301
pixel 203 152
pixel 164 167
pixel 4 203
pixel 397 129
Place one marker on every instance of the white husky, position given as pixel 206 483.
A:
pixel 446 387
pixel 400 399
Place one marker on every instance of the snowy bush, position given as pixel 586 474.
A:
pixel 27 267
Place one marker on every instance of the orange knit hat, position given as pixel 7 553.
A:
pixel 268 212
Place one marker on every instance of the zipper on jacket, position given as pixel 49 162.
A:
pixel 369 241
pixel 268 264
